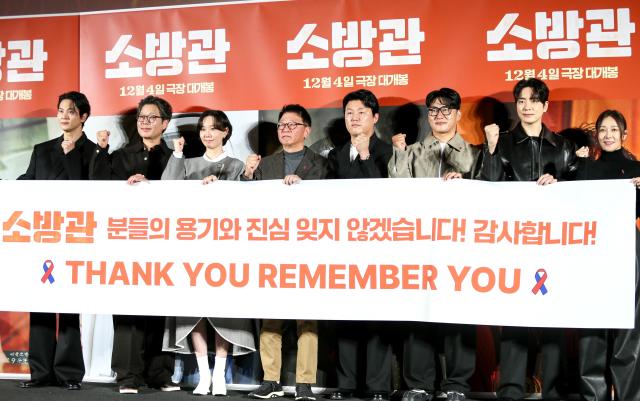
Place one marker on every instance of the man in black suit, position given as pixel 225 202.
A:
pixel 67 157
pixel 295 162
pixel 364 157
pixel 137 356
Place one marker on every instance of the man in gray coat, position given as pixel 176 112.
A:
pixel 444 154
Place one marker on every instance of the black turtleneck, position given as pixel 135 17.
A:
pixel 610 165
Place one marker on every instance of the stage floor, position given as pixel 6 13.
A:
pixel 10 391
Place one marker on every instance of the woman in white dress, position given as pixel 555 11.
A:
pixel 200 335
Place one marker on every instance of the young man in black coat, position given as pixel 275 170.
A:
pixel 59 360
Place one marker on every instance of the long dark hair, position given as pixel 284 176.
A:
pixel 622 126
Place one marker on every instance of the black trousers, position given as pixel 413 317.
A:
pixel 420 356
pixel 460 356
pixel 54 359
pixel 593 358
pixel 513 362
pixel 621 356
pixel 378 352
pixel 137 356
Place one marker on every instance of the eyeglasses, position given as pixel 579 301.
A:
pixel 290 125
pixel 446 111
pixel 148 119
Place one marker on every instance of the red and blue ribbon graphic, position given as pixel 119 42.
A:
pixel 48 269
pixel 541 277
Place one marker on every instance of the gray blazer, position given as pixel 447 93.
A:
pixel 312 167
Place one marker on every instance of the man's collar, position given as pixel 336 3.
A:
pixel 519 135
pixel 455 142
pixel 139 146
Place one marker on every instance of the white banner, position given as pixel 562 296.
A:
pixel 391 249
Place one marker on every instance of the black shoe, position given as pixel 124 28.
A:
pixel 128 389
pixel 169 386
pixel 268 389
pixel 34 383
pixel 455 396
pixel 341 395
pixel 72 385
pixel 417 395
pixel 379 397
pixel 304 392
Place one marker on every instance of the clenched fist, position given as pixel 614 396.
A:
pixel 251 165
pixel 178 145
pixel 399 141
pixel 492 132
pixel 102 138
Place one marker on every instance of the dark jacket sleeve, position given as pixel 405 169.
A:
pixel 491 168
pixel 30 174
pixel 100 166
pixel 571 162
pixel 374 166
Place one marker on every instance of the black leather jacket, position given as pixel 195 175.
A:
pixel 519 157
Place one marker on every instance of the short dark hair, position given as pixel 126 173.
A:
pixel 539 89
pixel 165 108
pixel 365 96
pixel 79 100
pixel 220 122
pixel 447 96
pixel 297 109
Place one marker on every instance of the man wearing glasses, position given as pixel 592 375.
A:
pixel 294 163
pixel 137 341
pixel 444 154
pixel 140 160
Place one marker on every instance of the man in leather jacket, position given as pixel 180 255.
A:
pixel 529 152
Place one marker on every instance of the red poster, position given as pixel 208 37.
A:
pixel 38 61
pixel 195 57
pixel 260 56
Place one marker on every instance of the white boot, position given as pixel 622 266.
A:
pixel 205 378
pixel 218 383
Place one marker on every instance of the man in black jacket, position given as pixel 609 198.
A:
pixel 137 342
pixel 67 157
pixel 529 152
pixel 365 156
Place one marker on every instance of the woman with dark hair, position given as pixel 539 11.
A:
pixel 614 162
pixel 215 130
pixel 192 334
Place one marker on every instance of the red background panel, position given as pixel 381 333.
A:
pixel 61 42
